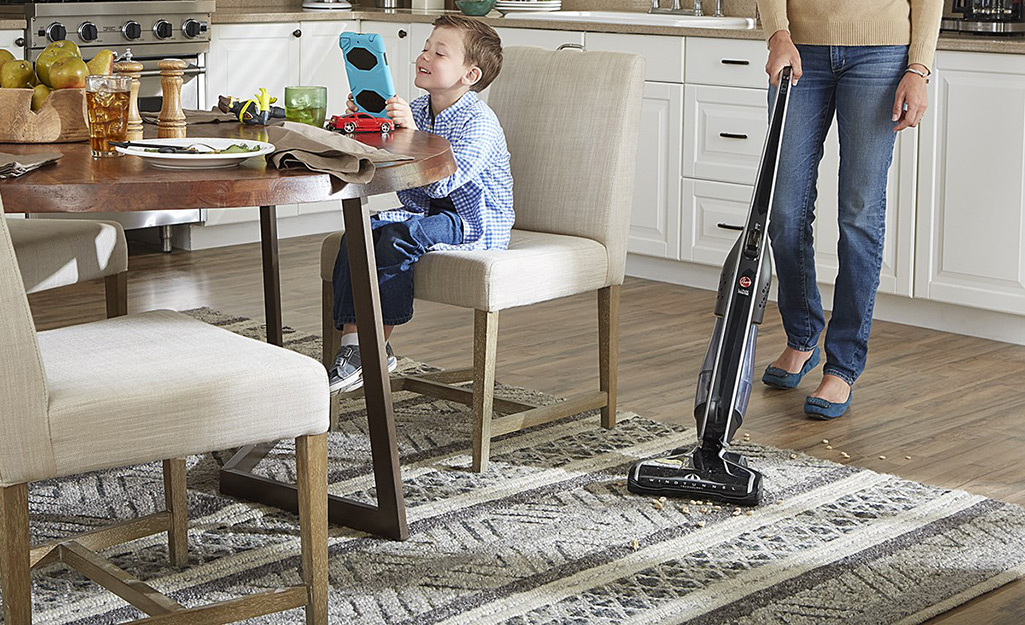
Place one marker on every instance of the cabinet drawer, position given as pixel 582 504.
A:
pixel 705 206
pixel 727 62
pixel 549 39
pixel 664 55
pixel 724 130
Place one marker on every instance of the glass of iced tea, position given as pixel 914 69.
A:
pixel 307 105
pixel 106 100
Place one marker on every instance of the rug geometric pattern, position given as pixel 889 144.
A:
pixel 549 533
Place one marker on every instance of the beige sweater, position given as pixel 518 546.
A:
pixel 915 23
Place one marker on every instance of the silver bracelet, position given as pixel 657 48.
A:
pixel 918 72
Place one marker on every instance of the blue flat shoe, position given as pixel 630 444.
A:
pixel 823 410
pixel 781 378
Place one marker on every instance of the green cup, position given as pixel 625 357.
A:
pixel 306 105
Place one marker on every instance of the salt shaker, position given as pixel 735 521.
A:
pixel 132 68
pixel 171 122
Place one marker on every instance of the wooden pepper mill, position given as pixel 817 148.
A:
pixel 171 122
pixel 132 68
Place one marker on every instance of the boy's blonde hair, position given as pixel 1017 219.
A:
pixel 481 44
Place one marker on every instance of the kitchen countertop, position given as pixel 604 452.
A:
pixel 229 15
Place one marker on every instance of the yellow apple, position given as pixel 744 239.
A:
pixel 17 75
pixel 68 72
pixel 39 95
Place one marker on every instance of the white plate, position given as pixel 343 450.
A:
pixel 527 9
pixel 197 161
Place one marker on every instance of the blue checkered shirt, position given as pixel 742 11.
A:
pixel 481 188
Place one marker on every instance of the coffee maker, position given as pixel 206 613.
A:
pixel 992 17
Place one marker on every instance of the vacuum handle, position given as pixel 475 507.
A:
pixel 770 153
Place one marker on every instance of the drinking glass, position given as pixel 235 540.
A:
pixel 106 99
pixel 307 105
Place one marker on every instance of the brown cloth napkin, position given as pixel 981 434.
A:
pixel 12 165
pixel 192 116
pixel 300 145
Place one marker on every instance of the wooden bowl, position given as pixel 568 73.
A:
pixel 62 118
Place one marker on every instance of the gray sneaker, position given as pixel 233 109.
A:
pixel 347 372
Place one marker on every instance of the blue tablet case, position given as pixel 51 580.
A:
pixel 366 64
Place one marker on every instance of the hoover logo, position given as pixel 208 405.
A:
pixel 745 282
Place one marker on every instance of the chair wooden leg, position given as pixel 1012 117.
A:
pixel 485 348
pixel 116 287
pixel 177 501
pixel 15 572
pixel 311 482
pixel 332 336
pixel 608 350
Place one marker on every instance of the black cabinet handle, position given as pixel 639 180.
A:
pixel 732 135
pixel 297 33
pixel 402 34
pixel 20 42
pixel 735 62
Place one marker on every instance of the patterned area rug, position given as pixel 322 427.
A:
pixel 550 535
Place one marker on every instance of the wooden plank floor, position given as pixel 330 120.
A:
pixel 952 403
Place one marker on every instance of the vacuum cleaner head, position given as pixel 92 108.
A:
pixel 698 474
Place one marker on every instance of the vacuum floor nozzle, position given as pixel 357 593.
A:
pixel 698 474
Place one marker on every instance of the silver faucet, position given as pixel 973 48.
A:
pixel 697 10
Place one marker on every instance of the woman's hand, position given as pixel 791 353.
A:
pixel 911 100
pixel 782 52
pixel 398 109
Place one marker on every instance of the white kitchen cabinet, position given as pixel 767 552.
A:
pixel 971 214
pixel 655 215
pixel 706 204
pixel 723 133
pixel 7 38
pixel 398 43
pixel 896 273
pixel 726 62
pixel 550 39
pixel 243 58
pixel 321 63
pixel 663 55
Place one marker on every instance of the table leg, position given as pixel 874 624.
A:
pixel 271 275
pixel 388 518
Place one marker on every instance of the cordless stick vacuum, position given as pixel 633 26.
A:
pixel 710 470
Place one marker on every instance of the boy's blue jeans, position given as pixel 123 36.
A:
pixel 397 245
pixel 858 84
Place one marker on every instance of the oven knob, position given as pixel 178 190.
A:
pixel 193 28
pixel 163 29
pixel 131 30
pixel 87 31
pixel 56 32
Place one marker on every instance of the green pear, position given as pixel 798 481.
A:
pixel 17 75
pixel 39 95
pixel 102 64
pixel 5 56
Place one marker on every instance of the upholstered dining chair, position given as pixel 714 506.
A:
pixel 59 252
pixel 573 171
pixel 135 389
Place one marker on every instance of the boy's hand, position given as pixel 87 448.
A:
pixel 350 106
pixel 398 109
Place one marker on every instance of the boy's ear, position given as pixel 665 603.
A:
pixel 473 76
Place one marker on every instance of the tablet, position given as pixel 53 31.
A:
pixel 366 65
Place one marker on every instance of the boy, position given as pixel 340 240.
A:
pixel 470 210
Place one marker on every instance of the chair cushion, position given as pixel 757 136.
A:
pixel 537 267
pixel 162 385
pixel 58 252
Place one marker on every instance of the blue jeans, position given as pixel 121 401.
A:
pixel 397 245
pixel 858 84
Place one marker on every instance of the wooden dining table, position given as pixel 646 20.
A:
pixel 78 183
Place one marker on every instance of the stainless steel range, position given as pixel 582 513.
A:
pixel 150 30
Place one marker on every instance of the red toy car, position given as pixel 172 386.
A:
pixel 360 122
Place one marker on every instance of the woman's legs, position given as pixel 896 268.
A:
pixel 809 115
pixel 868 80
